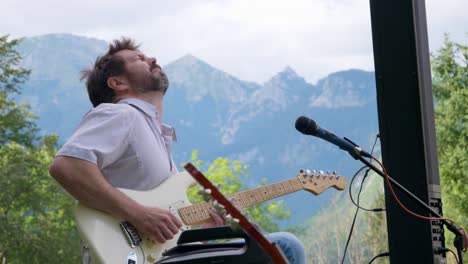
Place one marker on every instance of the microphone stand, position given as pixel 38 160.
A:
pixel 458 242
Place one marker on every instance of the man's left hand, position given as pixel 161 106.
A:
pixel 216 220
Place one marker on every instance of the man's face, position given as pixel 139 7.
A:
pixel 143 73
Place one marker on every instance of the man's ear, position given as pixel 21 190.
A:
pixel 117 83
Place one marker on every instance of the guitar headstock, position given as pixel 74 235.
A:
pixel 317 182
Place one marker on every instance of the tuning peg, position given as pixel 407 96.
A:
pixel 218 205
pixel 321 171
pixel 308 171
pixel 201 190
pixel 228 217
pixel 301 171
pixel 314 171
pixel 205 194
pixel 334 172
pixel 231 220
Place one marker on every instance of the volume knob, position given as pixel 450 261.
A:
pixel 151 258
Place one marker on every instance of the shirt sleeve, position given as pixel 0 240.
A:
pixel 102 135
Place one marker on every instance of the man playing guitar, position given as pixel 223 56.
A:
pixel 122 143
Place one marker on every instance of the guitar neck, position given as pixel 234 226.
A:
pixel 199 213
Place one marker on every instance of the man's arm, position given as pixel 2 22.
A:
pixel 85 181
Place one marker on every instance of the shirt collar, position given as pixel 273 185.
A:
pixel 151 111
pixel 146 107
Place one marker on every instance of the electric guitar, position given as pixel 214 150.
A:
pixel 115 241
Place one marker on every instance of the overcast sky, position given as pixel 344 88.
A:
pixel 250 39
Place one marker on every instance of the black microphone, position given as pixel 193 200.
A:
pixel 308 126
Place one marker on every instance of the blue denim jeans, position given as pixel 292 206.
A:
pixel 291 246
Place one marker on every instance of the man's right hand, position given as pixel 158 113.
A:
pixel 85 181
pixel 158 224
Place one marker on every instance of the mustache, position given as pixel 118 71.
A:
pixel 155 66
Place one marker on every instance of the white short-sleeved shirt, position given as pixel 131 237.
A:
pixel 127 142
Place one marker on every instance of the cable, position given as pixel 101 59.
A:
pixel 465 237
pixel 440 250
pixel 385 254
pixel 357 204
pixel 144 255
pixel 398 200
pixel 362 183
pixel 352 228
pixel 411 212
pixel 454 255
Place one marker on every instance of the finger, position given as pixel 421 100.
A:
pixel 169 221
pixel 176 221
pixel 167 233
pixel 216 218
pixel 172 227
pixel 157 236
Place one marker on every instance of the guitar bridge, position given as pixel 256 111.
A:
pixel 131 234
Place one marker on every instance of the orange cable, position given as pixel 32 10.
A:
pixel 454 255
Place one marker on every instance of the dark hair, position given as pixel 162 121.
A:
pixel 106 66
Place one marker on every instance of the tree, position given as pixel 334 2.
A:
pixel 36 223
pixel 35 214
pixel 16 122
pixel 228 175
pixel 450 86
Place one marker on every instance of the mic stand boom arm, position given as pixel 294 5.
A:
pixel 459 241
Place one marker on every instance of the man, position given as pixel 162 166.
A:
pixel 123 143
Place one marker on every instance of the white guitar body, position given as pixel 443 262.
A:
pixel 106 240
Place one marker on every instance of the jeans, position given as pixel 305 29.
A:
pixel 291 247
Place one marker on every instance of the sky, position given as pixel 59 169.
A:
pixel 250 39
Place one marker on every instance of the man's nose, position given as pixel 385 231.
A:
pixel 152 60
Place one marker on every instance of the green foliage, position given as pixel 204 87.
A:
pixel 35 214
pixel 450 84
pixel 36 224
pixel 327 231
pixel 229 175
pixel 16 122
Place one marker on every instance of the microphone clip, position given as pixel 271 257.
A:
pixel 357 151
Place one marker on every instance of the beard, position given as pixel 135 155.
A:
pixel 149 82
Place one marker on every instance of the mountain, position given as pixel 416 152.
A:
pixel 219 114
pixel 54 90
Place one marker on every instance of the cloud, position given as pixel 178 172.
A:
pixel 251 156
pixel 252 39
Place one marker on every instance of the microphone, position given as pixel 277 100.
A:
pixel 308 126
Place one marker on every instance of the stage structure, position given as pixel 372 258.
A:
pixel 407 129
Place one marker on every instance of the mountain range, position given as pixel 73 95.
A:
pixel 219 114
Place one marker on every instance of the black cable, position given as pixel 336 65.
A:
pixel 362 183
pixel 357 204
pixel 352 227
pixel 386 254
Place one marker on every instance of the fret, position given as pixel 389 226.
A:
pixel 268 192
pixel 198 213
